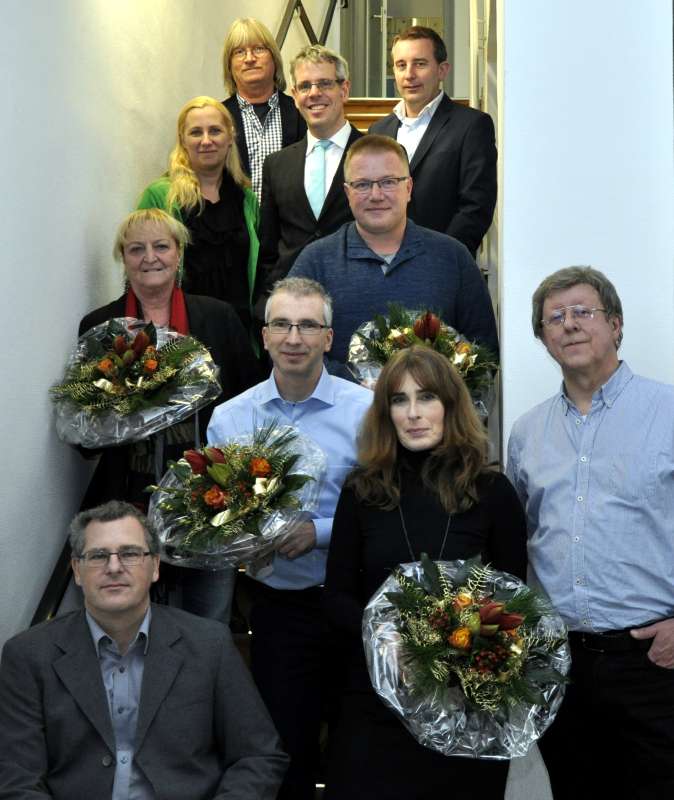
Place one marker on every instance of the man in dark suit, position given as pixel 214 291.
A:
pixel 295 211
pixel 123 699
pixel 265 118
pixel 451 148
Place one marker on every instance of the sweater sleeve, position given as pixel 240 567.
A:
pixel 342 578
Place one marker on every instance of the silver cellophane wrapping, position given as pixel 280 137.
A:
pixel 246 547
pixel 200 386
pixel 445 721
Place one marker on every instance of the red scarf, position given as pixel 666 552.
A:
pixel 178 318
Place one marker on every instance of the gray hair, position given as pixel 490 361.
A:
pixel 110 512
pixel 301 287
pixel 573 276
pixel 316 53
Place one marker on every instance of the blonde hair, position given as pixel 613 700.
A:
pixel 245 32
pixel 153 216
pixel 185 191
pixel 453 466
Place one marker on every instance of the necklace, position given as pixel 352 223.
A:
pixel 407 538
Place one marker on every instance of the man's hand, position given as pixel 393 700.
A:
pixel 300 541
pixel 662 650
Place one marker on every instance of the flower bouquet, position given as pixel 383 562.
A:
pixel 231 504
pixel 472 660
pixel 127 379
pixel 374 342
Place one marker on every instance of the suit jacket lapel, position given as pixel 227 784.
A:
pixel 293 178
pixel 437 123
pixel 162 665
pixel 80 672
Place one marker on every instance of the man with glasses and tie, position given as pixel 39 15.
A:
pixel 384 257
pixel 290 648
pixel 594 468
pixel 127 700
pixel 302 196
pixel 265 118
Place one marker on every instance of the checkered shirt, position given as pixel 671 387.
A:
pixel 261 139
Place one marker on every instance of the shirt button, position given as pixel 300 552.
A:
pixel 124 759
pixel 583 459
pixel 120 710
pixel 578 421
pixel 576 538
pixel 121 669
pixel 579 498
pixel 579 580
pixel 106 761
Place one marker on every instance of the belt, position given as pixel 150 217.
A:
pixel 620 641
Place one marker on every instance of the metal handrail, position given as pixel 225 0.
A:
pixel 294 5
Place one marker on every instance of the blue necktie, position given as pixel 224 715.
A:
pixel 317 189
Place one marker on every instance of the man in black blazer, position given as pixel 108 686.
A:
pixel 265 118
pixel 122 696
pixel 451 147
pixel 320 88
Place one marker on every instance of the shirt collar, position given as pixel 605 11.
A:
pixel 340 138
pixel 99 635
pixel 323 391
pixel 272 102
pixel 426 112
pixel 609 392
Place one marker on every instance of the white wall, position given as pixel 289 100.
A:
pixel 90 91
pixel 586 174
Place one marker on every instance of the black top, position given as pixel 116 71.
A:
pixel 368 543
pixel 216 261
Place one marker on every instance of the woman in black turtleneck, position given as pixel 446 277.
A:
pixel 422 486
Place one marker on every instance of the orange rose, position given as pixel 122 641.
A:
pixel 215 497
pixel 150 365
pixel 461 601
pixel 260 467
pixel 463 347
pixel 105 365
pixel 460 638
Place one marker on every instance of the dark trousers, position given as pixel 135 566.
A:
pixel 614 734
pixel 290 666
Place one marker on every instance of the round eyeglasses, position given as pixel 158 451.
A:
pixel 558 316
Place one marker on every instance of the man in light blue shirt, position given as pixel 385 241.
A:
pixel 594 468
pixel 123 700
pixel 289 642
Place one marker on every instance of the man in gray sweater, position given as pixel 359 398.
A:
pixel 384 257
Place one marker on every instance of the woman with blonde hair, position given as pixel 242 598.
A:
pixel 206 188
pixel 422 485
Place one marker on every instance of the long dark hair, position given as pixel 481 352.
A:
pixel 454 464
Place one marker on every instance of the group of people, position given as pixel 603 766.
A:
pixel 132 700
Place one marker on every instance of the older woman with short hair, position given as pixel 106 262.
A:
pixel 422 485
pixel 206 189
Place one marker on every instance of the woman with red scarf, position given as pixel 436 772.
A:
pixel 151 243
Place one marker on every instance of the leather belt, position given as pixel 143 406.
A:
pixel 619 641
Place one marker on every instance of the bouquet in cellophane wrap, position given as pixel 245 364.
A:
pixel 234 503
pixel 471 659
pixel 375 341
pixel 127 380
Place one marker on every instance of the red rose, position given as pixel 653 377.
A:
pixel 197 461
pixel 141 341
pixel 427 326
pixel 214 455
pixel 119 345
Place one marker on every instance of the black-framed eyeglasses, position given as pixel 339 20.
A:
pixel 127 557
pixel 307 327
pixel 324 84
pixel 388 184
pixel 558 316
pixel 258 50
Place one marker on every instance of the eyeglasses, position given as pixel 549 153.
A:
pixel 558 317
pixel 307 327
pixel 324 85
pixel 257 50
pixel 385 184
pixel 127 557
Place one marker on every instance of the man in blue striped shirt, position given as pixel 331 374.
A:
pixel 594 468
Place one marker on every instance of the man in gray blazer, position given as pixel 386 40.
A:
pixel 124 699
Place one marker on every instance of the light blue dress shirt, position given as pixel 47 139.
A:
pixel 122 678
pixel 331 416
pixel 599 498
